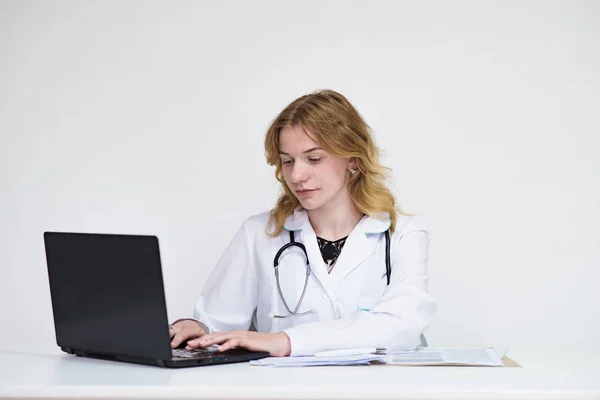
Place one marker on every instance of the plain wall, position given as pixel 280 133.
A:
pixel 149 117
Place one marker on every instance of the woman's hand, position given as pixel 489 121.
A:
pixel 185 330
pixel 276 344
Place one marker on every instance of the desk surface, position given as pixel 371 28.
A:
pixel 24 375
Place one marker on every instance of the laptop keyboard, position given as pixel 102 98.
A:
pixel 194 353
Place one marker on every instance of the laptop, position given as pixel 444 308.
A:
pixel 108 301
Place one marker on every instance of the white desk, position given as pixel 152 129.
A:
pixel 36 376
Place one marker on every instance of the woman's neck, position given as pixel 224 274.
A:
pixel 334 221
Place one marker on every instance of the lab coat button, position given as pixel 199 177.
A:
pixel 326 297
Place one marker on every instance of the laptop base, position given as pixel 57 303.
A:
pixel 227 357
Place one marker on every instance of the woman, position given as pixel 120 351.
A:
pixel 335 204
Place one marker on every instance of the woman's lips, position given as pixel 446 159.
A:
pixel 305 192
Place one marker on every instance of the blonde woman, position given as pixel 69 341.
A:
pixel 334 264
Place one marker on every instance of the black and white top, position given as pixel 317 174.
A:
pixel 330 250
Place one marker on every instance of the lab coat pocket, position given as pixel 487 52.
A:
pixel 365 303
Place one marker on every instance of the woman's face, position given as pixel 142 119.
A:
pixel 312 174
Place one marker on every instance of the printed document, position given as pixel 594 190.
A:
pixel 422 356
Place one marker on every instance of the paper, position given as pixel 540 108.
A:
pixel 448 356
pixel 308 361
pixel 420 356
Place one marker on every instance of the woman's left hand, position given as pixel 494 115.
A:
pixel 276 344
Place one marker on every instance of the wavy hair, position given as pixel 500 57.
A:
pixel 340 130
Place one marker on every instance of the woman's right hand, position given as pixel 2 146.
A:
pixel 185 330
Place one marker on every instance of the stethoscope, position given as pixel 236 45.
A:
pixel 292 243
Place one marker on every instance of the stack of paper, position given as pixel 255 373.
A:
pixel 431 356
pixel 308 361
pixel 422 356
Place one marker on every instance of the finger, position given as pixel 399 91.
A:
pixel 193 344
pixel 194 341
pixel 214 338
pixel 197 334
pixel 217 339
pixel 230 344
pixel 177 339
pixel 171 332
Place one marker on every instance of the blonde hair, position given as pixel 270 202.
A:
pixel 340 130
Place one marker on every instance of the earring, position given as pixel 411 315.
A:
pixel 352 171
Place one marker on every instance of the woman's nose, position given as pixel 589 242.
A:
pixel 298 173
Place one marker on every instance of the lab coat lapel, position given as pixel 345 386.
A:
pixel 356 249
pixel 359 245
pixel 317 265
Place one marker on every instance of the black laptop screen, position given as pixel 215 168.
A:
pixel 107 294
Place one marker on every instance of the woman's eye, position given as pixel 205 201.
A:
pixel 286 162
pixel 314 160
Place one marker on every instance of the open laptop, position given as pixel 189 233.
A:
pixel 108 301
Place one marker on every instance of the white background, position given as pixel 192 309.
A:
pixel 149 117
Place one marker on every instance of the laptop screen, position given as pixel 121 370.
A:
pixel 107 294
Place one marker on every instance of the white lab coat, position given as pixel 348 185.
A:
pixel 353 306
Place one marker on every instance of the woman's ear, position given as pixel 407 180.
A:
pixel 352 164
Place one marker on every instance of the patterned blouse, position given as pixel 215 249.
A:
pixel 330 251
